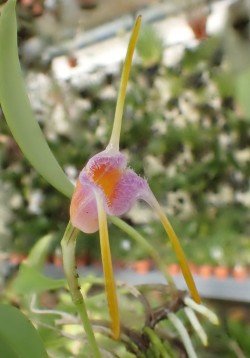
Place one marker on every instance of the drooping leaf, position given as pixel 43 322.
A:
pixel 18 337
pixel 39 252
pixel 29 281
pixel 17 109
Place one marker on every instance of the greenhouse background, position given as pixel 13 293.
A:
pixel 186 129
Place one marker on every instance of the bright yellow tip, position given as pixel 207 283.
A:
pixel 108 269
pixel 178 250
pixel 116 131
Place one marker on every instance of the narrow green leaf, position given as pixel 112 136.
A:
pixel 17 109
pixel 242 90
pixel 18 337
pixel 39 252
pixel 30 280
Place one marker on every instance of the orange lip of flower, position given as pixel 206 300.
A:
pixel 106 178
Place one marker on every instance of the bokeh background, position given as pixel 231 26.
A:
pixel 186 124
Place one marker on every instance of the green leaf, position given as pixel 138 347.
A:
pixel 226 83
pixel 242 90
pixel 17 109
pixel 39 252
pixel 29 281
pixel 18 337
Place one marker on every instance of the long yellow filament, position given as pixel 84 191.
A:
pixel 177 247
pixel 116 131
pixel 108 269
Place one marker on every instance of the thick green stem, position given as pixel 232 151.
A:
pixel 68 244
pixel 149 248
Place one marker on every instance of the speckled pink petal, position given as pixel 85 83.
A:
pixel 108 159
pixel 83 209
pixel 119 188
pixel 130 188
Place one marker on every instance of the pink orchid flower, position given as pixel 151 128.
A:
pixel 106 186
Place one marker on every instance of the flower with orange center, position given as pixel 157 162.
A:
pixel 106 186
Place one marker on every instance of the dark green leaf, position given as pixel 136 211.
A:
pixel 18 337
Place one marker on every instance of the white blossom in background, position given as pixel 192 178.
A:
pixel 140 214
pixel 243 156
pixel 225 140
pixel 126 245
pixel 35 201
pixel 153 165
pixel 108 93
pixel 6 214
pixel 179 201
pixel 185 158
pixel 243 198
pixel 225 195
pixel 16 201
pixel 58 123
pixel 159 127
pixel 71 172
pixel 39 87
pixel 217 253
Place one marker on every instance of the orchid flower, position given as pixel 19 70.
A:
pixel 107 186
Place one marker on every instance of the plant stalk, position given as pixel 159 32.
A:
pixel 147 247
pixel 68 244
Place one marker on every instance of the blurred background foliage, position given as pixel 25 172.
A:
pixel 186 129
pixel 183 130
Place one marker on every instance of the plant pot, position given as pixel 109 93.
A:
pixel 58 261
pixel 193 268
pixel 221 272
pixel 206 271
pixel 240 273
pixel 174 269
pixel 142 266
pixel 83 260
pixel 17 258
pixel 119 264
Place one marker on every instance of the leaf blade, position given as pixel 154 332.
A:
pixel 17 109
pixel 29 281
pixel 15 331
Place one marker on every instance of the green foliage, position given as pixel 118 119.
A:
pixel 188 122
pixel 242 90
pixel 39 252
pixel 149 46
pixel 30 280
pixel 20 116
pixel 239 332
pixel 18 337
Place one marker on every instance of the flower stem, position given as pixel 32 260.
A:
pixel 176 246
pixel 115 136
pixel 68 244
pixel 108 269
pixel 149 248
